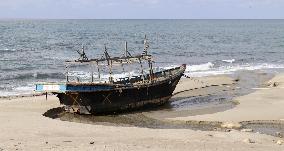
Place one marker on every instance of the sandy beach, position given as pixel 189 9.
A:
pixel 264 104
pixel 23 127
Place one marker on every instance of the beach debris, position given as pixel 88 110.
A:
pixel 210 135
pixel 272 84
pixel 246 130
pixel 46 142
pixel 231 125
pixel 235 102
pixel 280 142
pixel 92 142
pixel 217 129
pixel 237 80
pixel 249 141
pixel 275 84
pixel 67 141
pixel 278 134
pixel 228 130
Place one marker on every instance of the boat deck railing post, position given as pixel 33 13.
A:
pixel 141 68
pixel 67 72
pixel 99 74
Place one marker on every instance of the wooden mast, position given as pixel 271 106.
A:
pixel 145 52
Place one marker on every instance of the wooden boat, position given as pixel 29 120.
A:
pixel 128 93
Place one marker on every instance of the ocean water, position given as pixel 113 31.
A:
pixel 35 50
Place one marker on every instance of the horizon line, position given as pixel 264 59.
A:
pixel 141 18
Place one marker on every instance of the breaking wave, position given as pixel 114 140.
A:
pixel 200 67
pixel 230 69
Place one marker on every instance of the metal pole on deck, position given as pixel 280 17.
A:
pixel 141 68
pixel 67 72
pixel 123 70
pixel 92 76
pixel 110 72
pixel 92 71
pixel 150 70
pixel 99 74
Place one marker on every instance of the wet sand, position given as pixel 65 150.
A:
pixel 23 127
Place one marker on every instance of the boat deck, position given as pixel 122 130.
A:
pixel 94 86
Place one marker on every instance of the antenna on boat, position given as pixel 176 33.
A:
pixel 146 45
pixel 83 56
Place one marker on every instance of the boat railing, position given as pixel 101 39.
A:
pixel 107 61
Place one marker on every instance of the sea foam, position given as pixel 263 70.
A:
pixel 229 61
pixel 200 67
pixel 230 69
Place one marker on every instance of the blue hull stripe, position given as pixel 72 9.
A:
pixel 69 88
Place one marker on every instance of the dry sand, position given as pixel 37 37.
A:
pixel 24 128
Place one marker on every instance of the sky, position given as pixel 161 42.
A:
pixel 142 9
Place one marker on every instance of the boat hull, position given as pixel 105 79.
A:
pixel 120 99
